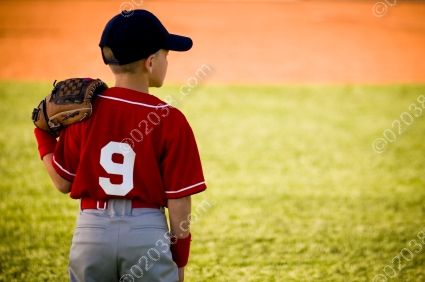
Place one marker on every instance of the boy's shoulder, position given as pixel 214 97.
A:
pixel 131 96
pixel 153 106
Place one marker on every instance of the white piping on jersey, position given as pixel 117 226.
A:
pixel 134 103
pixel 186 188
pixel 64 170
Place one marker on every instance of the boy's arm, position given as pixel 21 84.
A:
pixel 179 213
pixel 179 210
pixel 46 146
pixel 60 183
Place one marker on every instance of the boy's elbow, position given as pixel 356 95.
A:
pixel 63 190
pixel 63 186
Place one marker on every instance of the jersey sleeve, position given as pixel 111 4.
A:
pixel 66 155
pixel 181 167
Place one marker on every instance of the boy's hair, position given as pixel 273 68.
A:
pixel 119 69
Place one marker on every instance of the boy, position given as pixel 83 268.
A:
pixel 134 156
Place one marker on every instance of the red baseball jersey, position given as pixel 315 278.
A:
pixel 133 146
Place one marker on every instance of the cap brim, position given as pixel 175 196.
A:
pixel 178 43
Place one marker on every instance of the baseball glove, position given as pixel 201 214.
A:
pixel 69 102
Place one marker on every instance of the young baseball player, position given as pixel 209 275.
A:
pixel 134 156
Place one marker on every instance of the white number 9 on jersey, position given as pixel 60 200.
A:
pixel 125 169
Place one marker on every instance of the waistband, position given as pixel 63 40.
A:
pixel 89 203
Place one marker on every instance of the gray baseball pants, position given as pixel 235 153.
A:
pixel 121 244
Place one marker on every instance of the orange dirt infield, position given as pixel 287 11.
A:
pixel 244 41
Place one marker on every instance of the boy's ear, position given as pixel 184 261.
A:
pixel 149 63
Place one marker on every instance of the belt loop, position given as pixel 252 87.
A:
pixel 105 203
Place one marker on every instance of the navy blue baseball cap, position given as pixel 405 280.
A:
pixel 137 35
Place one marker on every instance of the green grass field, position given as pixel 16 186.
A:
pixel 296 191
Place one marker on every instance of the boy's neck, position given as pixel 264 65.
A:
pixel 137 83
